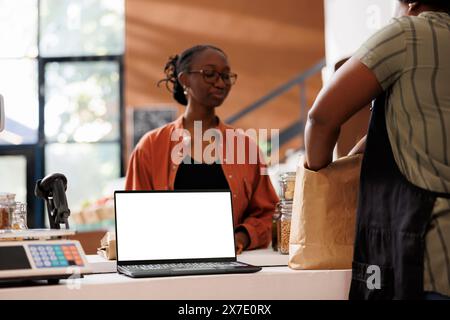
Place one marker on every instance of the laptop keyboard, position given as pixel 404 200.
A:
pixel 184 266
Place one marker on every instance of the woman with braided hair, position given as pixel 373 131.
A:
pixel 200 78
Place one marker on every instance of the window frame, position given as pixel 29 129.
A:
pixel 42 142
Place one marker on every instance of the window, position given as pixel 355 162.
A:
pixel 81 27
pixel 18 76
pixel 62 82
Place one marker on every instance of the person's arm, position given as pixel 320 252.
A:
pixel 377 64
pixel 352 87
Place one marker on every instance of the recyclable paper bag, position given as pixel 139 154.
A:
pixel 324 215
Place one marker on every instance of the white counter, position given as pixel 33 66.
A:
pixel 271 283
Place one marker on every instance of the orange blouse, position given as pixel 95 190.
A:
pixel 254 199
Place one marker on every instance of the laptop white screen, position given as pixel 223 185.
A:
pixel 174 225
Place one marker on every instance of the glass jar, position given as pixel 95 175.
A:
pixel 275 217
pixel 7 207
pixel 284 226
pixel 287 184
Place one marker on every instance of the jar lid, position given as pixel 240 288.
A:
pixel 288 176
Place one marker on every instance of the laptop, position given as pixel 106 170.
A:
pixel 174 233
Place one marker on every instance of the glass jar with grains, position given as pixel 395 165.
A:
pixel 287 184
pixel 7 207
pixel 284 226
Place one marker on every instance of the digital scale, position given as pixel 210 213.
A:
pixel 41 259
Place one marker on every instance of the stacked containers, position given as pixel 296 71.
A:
pixel 282 216
pixel 13 214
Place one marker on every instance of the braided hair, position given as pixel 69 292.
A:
pixel 438 4
pixel 181 63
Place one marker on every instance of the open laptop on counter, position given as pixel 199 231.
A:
pixel 171 233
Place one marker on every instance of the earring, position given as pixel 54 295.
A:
pixel 185 90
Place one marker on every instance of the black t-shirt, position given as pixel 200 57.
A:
pixel 194 176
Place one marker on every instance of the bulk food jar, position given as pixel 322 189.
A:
pixel 7 207
pixel 287 184
pixel 284 226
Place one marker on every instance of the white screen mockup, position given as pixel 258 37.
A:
pixel 174 225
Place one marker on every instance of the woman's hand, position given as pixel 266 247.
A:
pixel 242 241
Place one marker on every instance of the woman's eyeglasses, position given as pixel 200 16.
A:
pixel 212 76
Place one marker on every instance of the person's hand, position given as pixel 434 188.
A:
pixel 242 241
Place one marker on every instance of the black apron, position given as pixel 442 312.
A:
pixel 392 220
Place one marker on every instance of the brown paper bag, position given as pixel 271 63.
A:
pixel 324 215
